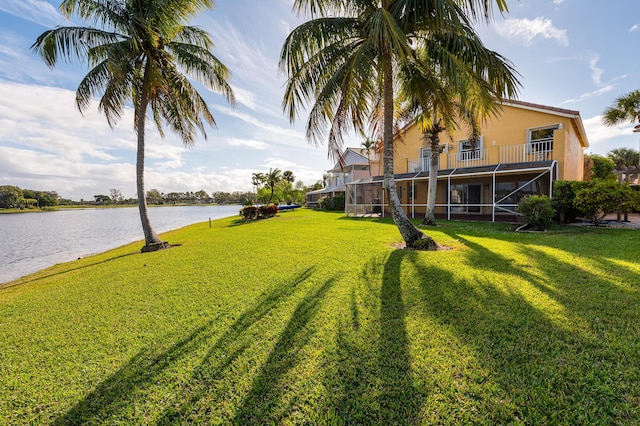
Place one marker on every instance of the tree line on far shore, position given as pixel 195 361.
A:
pixel 13 197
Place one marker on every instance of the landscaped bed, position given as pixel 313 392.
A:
pixel 311 317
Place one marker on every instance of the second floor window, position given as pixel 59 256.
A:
pixel 541 139
pixel 467 150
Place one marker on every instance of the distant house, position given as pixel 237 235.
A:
pixel 521 152
pixel 355 166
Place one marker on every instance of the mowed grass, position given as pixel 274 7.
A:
pixel 314 318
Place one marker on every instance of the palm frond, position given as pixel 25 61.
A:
pixel 69 43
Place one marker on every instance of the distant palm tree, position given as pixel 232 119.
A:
pixel 624 157
pixel 625 109
pixel 345 61
pixel 140 55
pixel 272 180
pixel 369 145
pixel 288 176
pixel 258 179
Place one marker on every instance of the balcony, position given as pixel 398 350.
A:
pixel 541 150
pixel 473 158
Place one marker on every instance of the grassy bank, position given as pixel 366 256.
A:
pixel 315 318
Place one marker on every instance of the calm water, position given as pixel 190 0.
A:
pixel 33 241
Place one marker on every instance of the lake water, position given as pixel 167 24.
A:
pixel 33 241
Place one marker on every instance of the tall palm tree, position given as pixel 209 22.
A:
pixel 345 60
pixel 463 89
pixel 142 54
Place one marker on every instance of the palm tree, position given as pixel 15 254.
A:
pixel 345 60
pixel 288 176
pixel 272 181
pixel 460 90
pixel 258 179
pixel 369 145
pixel 626 108
pixel 624 157
pixel 139 55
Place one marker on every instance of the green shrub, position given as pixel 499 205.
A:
pixel 564 193
pixel 332 203
pixel 602 197
pixel 537 211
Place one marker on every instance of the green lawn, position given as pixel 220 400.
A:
pixel 315 318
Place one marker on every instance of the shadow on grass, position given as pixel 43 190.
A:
pixel 77 268
pixel 115 396
pixel 263 404
pixel 369 378
pixel 558 358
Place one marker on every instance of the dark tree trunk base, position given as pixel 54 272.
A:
pixel 155 247
pixel 424 243
pixel 429 222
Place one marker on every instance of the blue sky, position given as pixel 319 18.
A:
pixel 574 54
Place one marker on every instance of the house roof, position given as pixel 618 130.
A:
pixel 545 108
pixel 353 156
pixel 568 113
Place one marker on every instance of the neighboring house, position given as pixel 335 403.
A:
pixel 355 166
pixel 521 152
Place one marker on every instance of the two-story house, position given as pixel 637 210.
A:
pixel 355 165
pixel 520 152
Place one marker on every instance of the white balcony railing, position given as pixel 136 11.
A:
pixel 473 158
pixel 537 151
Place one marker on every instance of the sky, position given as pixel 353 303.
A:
pixel 574 54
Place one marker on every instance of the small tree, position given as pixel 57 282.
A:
pixel 116 196
pixel 603 197
pixel 536 211
pixel 564 194
pixel 599 167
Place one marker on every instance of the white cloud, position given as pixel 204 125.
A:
pixel 598 133
pixel 38 11
pixel 249 143
pixel 596 73
pixel 588 95
pixel 267 132
pixel 526 30
pixel 245 97
pixel 634 28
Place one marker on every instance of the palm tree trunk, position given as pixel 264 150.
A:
pixel 411 235
pixel 430 215
pixel 152 241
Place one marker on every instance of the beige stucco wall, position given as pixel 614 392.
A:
pixel 510 128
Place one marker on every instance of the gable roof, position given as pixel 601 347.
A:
pixel 543 108
pixel 352 156
pixel 562 112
